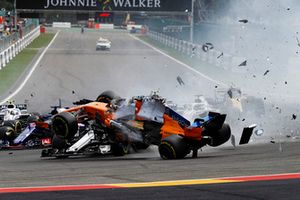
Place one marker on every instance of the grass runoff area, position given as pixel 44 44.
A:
pixel 13 70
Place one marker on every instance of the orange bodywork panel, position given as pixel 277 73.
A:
pixel 91 109
pixel 42 125
pixel 194 133
pixel 171 126
pixel 138 105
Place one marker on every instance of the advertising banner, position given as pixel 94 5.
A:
pixel 106 5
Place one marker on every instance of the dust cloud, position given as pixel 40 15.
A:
pixel 265 34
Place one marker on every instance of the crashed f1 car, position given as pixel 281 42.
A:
pixel 20 129
pixel 111 124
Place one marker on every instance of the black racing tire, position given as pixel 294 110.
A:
pixel 173 147
pixel 33 118
pixel 120 149
pixel 141 145
pixel 64 125
pixel 15 124
pixel 106 96
pixel 59 143
pixel 7 133
pixel 61 156
pixel 221 136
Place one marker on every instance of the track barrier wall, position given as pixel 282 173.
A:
pixel 211 56
pixel 10 52
pixel 61 24
pixel 104 26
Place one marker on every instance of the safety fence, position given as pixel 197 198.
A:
pixel 17 46
pixel 26 27
pixel 205 52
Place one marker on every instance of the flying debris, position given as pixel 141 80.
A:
pixel 193 51
pixel 272 140
pixel 294 117
pixel 180 81
pixel 277 108
pixel 207 46
pixel 234 92
pixel 233 141
pixel 280 147
pixel 73 92
pixel 244 21
pixel 243 63
pixel 220 55
pixel 266 72
pixel 298 42
pixel 194 48
pixel 259 132
pixel 285 82
pixel 246 135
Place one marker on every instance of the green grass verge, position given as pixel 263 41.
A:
pixel 13 70
pixel 42 41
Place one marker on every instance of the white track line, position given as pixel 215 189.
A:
pixel 30 73
pixel 181 63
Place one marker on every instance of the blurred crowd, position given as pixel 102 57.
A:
pixel 7 26
pixel 11 31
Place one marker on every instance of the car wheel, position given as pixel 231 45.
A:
pixel 120 149
pixel 7 133
pixel 64 125
pixel 59 143
pixel 141 145
pixel 173 147
pixel 221 136
pixel 15 124
pixel 106 97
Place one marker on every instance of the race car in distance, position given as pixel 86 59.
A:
pixel 111 124
pixel 103 44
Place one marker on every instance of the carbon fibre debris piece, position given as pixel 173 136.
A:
pixel 243 63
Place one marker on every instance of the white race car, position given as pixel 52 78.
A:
pixel 12 111
pixel 103 44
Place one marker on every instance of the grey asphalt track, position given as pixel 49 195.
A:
pixel 25 167
pixel 72 69
pixel 286 189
